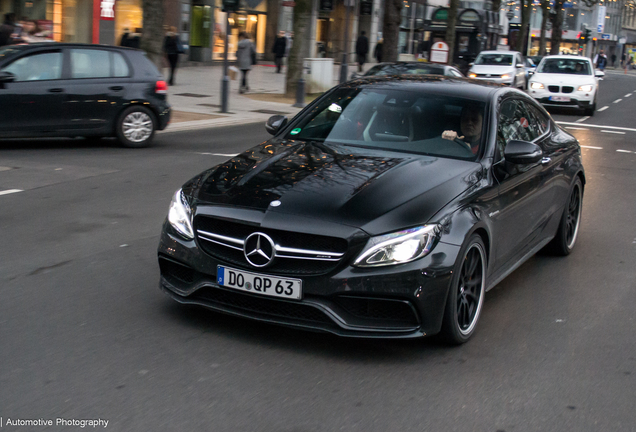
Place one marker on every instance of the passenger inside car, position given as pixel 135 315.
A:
pixel 470 126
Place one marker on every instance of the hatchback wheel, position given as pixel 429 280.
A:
pixel 466 296
pixel 136 127
pixel 568 230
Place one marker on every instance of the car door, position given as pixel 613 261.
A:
pixel 33 102
pixel 97 86
pixel 523 202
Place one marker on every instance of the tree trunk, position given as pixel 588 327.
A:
pixel 545 13
pixel 153 34
pixel 273 11
pixel 496 5
pixel 450 30
pixel 300 45
pixel 391 29
pixel 557 26
pixel 526 9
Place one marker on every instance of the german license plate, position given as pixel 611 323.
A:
pixel 256 283
pixel 560 98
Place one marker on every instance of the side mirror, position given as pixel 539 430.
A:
pixel 522 152
pixel 599 74
pixel 531 72
pixel 6 77
pixel 471 64
pixel 520 65
pixel 275 123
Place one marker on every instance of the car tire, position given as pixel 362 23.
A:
pixel 590 111
pixel 466 294
pixel 136 127
pixel 565 238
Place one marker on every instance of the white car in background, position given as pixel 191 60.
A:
pixel 503 67
pixel 566 81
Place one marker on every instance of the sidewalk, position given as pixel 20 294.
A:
pixel 196 97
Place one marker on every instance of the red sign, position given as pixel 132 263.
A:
pixel 107 10
pixel 524 122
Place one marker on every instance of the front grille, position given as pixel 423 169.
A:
pixel 259 305
pixel 298 253
pixel 567 89
pixel 398 311
pixel 172 270
pixel 553 89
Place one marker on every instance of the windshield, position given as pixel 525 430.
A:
pixel 405 70
pixel 571 66
pixel 494 59
pixel 396 120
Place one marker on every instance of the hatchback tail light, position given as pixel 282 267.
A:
pixel 161 87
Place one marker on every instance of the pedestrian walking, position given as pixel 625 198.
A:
pixel 279 50
pixel 377 52
pixel 613 60
pixel 362 49
pixel 245 58
pixel 172 47
pixel 8 30
pixel 600 60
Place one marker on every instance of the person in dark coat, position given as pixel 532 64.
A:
pixel 7 29
pixel 362 49
pixel 125 38
pixel 377 52
pixel 172 47
pixel 279 50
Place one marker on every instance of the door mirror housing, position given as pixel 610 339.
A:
pixel 520 65
pixel 599 74
pixel 6 77
pixel 522 152
pixel 275 123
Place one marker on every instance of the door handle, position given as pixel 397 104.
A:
pixel 546 160
pixel 56 90
pixel 116 88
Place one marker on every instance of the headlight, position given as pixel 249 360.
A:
pixel 536 85
pixel 505 76
pixel 180 216
pixel 586 88
pixel 399 247
pixel 472 75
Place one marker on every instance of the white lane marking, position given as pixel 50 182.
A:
pixel 598 126
pixel 603 109
pixel 219 154
pixel 618 100
pixel 582 119
pixel 576 128
pixel 628 95
pixel 624 151
pixel 10 191
pixel 614 132
pixel 592 147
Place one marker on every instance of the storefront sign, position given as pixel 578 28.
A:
pixel 601 18
pixel 107 8
pixel 439 52
pixel 469 16
pixel 441 15
pixel 605 36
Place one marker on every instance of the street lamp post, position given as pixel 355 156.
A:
pixel 344 67
pixel 225 82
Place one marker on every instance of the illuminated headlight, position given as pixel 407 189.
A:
pixel 180 216
pixel 536 85
pixel 399 247
pixel 472 75
pixel 586 88
pixel 505 76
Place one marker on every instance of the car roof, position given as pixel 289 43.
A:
pixel 434 84
pixel 499 52
pixel 412 63
pixel 566 56
pixel 68 45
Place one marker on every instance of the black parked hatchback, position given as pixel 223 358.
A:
pixel 69 90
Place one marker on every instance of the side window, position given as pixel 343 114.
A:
pixel 540 121
pixel 37 67
pixel 119 65
pixel 90 63
pixel 519 60
pixel 513 123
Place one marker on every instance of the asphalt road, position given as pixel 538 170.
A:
pixel 85 332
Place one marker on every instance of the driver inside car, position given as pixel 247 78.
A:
pixel 470 127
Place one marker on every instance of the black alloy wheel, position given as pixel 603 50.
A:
pixel 568 230
pixel 466 296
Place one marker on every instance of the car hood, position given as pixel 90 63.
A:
pixel 490 69
pixel 334 183
pixel 561 79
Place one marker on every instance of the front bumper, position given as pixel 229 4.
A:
pixel 391 302
pixel 496 80
pixel 574 99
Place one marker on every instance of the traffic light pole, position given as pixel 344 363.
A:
pixel 225 81
pixel 344 67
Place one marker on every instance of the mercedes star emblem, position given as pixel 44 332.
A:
pixel 259 249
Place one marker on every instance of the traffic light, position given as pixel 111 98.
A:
pixel 588 34
pixel 326 5
pixel 230 5
pixel 366 7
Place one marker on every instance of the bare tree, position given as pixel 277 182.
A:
pixel 557 27
pixel 450 29
pixel 496 5
pixel 391 29
pixel 300 45
pixel 545 14
pixel 526 10
pixel 153 35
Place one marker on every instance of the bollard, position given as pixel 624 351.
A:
pixel 300 94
